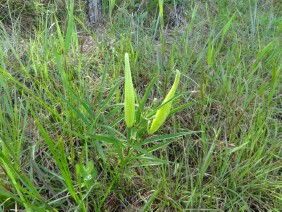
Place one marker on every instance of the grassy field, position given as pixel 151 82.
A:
pixel 64 142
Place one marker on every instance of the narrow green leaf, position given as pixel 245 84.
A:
pixel 165 137
pixel 70 27
pixel 150 201
pixel 182 107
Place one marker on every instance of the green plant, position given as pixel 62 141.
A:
pixel 111 7
pixel 64 140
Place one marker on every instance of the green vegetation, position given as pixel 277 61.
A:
pixel 64 142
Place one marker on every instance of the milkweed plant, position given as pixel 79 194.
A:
pixel 140 122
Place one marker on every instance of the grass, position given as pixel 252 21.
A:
pixel 63 139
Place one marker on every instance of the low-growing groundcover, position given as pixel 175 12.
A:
pixel 65 144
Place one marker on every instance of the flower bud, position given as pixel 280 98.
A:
pixel 129 99
pixel 163 111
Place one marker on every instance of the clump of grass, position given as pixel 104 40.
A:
pixel 65 143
